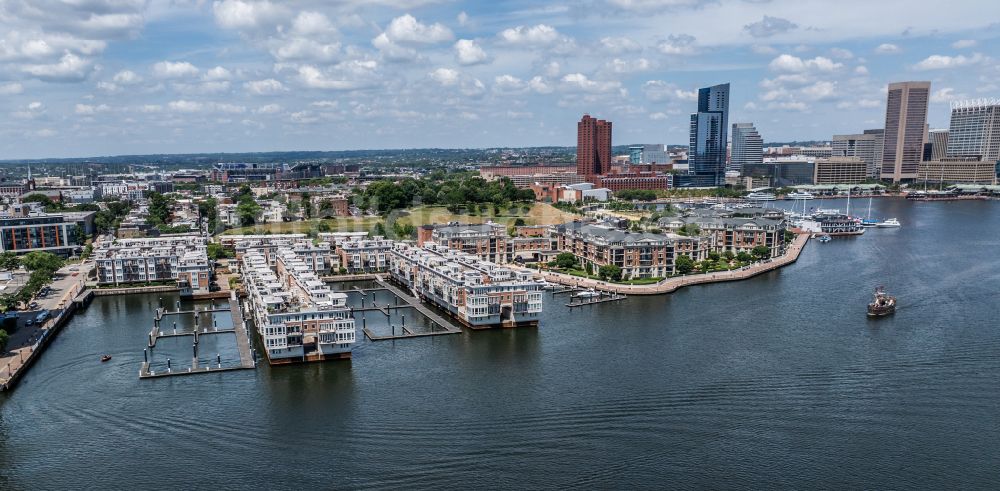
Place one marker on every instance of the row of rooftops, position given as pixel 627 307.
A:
pixel 461 268
pixel 188 249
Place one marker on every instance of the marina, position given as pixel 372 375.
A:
pixel 689 377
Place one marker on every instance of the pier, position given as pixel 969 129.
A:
pixel 239 329
pixel 410 302
pixel 601 298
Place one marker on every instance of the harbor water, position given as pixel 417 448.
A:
pixel 780 381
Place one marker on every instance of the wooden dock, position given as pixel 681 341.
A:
pixel 247 359
pixel 614 297
pixel 446 326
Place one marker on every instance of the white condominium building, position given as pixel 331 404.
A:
pixel 477 293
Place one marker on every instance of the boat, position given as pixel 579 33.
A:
pixel 760 197
pixel 869 222
pixel 799 195
pixel 105 358
pixel 883 304
pixel 823 238
pixel 890 223
pixel 587 294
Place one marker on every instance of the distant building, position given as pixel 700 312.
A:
pixel 639 255
pixel 865 146
pixel 958 170
pixel 840 170
pixel 651 181
pixel 747 148
pixel 707 148
pixel 905 125
pixel 936 147
pixel 593 148
pixel 975 130
pixel 783 171
pixel 56 233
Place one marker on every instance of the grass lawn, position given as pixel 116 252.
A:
pixel 539 214
pixel 339 224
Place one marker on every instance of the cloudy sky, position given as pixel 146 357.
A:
pixel 104 77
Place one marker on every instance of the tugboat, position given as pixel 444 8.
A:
pixel 105 358
pixel 883 304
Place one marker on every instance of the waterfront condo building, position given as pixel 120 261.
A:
pixel 362 254
pixel 181 259
pixel 296 315
pixel 58 233
pixel 707 146
pixel 477 293
pixel 727 232
pixel 905 130
pixel 975 130
pixel 638 254
pixel 487 241
pixel 593 148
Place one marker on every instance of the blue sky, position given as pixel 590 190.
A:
pixel 105 77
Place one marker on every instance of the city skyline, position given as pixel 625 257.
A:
pixel 132 77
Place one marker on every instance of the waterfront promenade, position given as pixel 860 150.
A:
pixel 28 342
pixel 670 285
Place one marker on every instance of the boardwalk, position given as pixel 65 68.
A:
pixel 671 285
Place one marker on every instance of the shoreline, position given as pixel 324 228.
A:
pixel 671 285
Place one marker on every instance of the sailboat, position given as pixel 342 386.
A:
pixel 868 222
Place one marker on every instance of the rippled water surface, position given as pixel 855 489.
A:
pixel 778 381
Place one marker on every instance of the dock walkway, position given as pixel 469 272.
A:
pixel 247 360
pixel 411 302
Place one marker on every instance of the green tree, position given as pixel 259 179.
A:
pixel 610 272
pixel 714 256
pixel 761 252
pixel 565 260
pixel 9 261
pixel 729 255
pixel 744 256
pixel 42 261
pixel 4 339
pixel 683 264
pixel 519 222
pixel 159 208
pixel 38 198
pixel 248 209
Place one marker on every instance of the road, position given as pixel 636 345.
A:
pixel 64 287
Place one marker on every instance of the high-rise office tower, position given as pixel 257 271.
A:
pixel 865 146
pixel 707 151
pixel 975 130
pixel 875 171
pixel 905 130
pixel 593 148
pixel 748 146
pixel 936 146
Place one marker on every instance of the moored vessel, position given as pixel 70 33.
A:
pixel 890 223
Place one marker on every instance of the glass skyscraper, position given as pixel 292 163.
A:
pixel 709 131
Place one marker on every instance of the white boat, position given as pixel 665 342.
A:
pixel 760 197
pixel 890 223
pixel 587 294
pixel 799 195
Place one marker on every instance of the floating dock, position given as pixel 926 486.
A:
pixel 247 358
pixel 410 302
pixel 602 298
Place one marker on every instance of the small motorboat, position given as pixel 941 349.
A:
pixel 105 358
pixel 587 294
pixel 890 223
pixel 883 304
pixel 823 238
